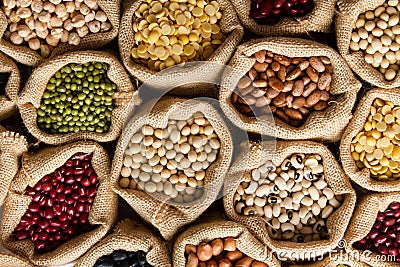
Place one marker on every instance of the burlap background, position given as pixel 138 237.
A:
pixel 326 125
pixel 230 26
pixel 333 260
pixel 27 56
pixel 9 260
pixel 8 101
pixel 362 221
pixel 219 228
pixel 12 145
pixel 36 165
pixel 129 236
pixel 168 219
pixel 334 176
pixel 31 96
pixel 349 10
pixel 319 19
pixel 363 177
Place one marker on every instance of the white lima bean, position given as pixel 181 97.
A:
pixel 377 34
pixel 173 160
pixel 293 198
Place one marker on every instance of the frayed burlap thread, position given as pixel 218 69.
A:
pixel 230 27
pixel 326 125
pixel 166 217
pixel 361 224
pixel 333 260
pixel 27 56
pixel 12 146
pixel 129 236
pixel 363 176
pixel 8 102
pixel 125 98
pixel 9 260
pixel 349 10
pixel 219 228
pixel 256 155
pixel 320 19
pixel 34 167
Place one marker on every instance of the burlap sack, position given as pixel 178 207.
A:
pixel 333 260
pixel 12 145
pixel 168 218
pixel 326 125
pixel 34 167
pixel 8 101
pixel 129 236
pixel 229 24
pixel 27 56
pixel 363 177
pixel 31 96
pixel 257 155
pixel 319 19
pixel 9 260
pixel 362 221
pixel 219 228
pixel 349 10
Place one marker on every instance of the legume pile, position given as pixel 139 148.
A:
pixel 42 24
pixel 173 32
pixel 272 11
pixel 384 236
pixel 377 33
pixel 290 87
pixel 77 98
pixel 172 160
pixel 121 258
pixel 219 253
pixel 293 198
pixel 61 203
pixel 377 146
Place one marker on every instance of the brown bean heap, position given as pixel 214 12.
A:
pixel 219 253
pixel 291 87
pixel 42 24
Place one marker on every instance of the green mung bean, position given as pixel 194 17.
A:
pixel 77 98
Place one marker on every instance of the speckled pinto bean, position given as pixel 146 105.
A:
pixel 290 87
pixel 41 25
pixel 377 146
pixel 384 237
pixel 173 160
pixel 377 33
pixel 60 206
pixel 294 199
pixel 219 253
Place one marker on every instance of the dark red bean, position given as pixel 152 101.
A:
pixel 55 223
pixel 276 11
pixel 53 193
pixel 288 5
pixel 68 190
pixel 77 162
pixel 50 202
pixel 89 171
pixel 63 217
pixel 75 186
pixel 389 213
pixel 30 192
pixel 85 182
pixel 25 221
pixel 43 223
pixel 69 200
pixel 82 199
pixel 391 233
pixel 19 227
pixel 40 245
pixel 79 171
pixel 57 209
pixel 53 229
pixel 69 179
pixel 83 191
pixel 46 186
pixel 393 251
pixel 383 250
pixel 20 235
pixel 394 206
pixel 35 237
pixel 51 238
pixel 92 191
pixel 83 218
pixel 389 221
pixel 28 214
pixel 75 195
pixel 69 230
pixel 93 179
pixel 43 236
pixel 61 198
pixel 42 201
pixel 36 197
pixel 80 207
pixel 69 163
pixel 380 239
pixel 58 236
pixel 70 210
pixel 279 3
pixel 85 165
pixel 78 178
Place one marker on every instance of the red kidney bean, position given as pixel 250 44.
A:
pixel 60 205
pixel 389 221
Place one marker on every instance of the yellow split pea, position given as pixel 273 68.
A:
pixel 174 32
pixel 377 147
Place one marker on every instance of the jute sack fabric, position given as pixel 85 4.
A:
pixel 320 19
pixel 219 228
pixel 125 98
pixel 129 236
pixel 258 154
pixel 327 125
pixel 12 146
pixel 349 10
pixel 362 221
pixel 229 24
pixel 34 167
pixel 333 260
pixel 8 102
pixel 363 177
pixel 27 56
pixel 9 260
pixel 168 218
